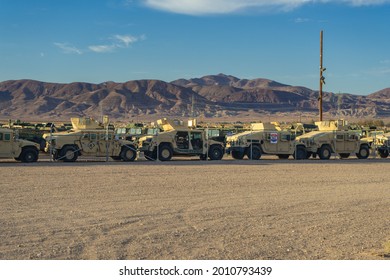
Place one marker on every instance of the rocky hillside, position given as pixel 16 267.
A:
pixel 209 97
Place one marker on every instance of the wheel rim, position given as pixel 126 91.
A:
pixel 165 153
pixel 326 153
pixel 363 152
pixel 69 154
pixel 29 157
pixel 129 154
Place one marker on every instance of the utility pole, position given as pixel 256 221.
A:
pixel 322 78
pixel 192 106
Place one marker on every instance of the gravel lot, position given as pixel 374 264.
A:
pixel 191 209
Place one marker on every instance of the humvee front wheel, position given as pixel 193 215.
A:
pixel 29 155
pixel 383 153
pixel 300 153
pixel 128 154
pixel 165 153
pixel 254 153
pixel 69 154
pixel 363 153
pixel 325 152
pixel 215 152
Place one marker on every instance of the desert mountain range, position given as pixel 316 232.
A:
pixel 214 96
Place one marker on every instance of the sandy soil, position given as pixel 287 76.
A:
pixel 268 209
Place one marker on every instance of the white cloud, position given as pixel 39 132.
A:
pixel 102 48
pixel 67 48
pixel 204 7
pixel 366 2
pixel 301 20
pixel 116 41
pixel 125 40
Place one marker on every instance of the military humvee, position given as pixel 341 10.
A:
pixel 88 138
pixel 13 147
pixel 334 137
pixel 177 139
pixel 264 138
pixel 382 144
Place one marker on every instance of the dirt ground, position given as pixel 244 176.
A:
pixel 191 209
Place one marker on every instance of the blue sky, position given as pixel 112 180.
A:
pixel 120 40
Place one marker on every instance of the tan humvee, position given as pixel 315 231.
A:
pixel 178 139
pixel 20 149
pixel 264 138
pixel 334 137
pixel 382 144
pixel 87 138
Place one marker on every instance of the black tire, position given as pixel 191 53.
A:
pixel 165 153
pixel 364 152
pixel 325 152
pixel 29 155
pixel 254 153
pixel 383 153
pixel 237 154
pixel 128 153
pixel 215 152
pixel 300 153
pixel 69 154
pixel 283 156
pixel 150 155
pixel 344 155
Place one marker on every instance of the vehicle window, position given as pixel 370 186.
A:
pixel 340 137
pixel 152 131
pixel 121 130
pixel 196 135
pixel 285 137
pixel 1 136
pixel 93 136
pixel 213 132
pixel 86 136
pixel 7 137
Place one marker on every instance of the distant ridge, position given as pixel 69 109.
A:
pixel 216 96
